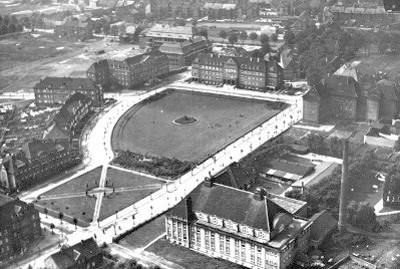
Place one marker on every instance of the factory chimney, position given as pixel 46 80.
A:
pixel 344 186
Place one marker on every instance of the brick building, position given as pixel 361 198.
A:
pixel 19 227
pixel 67 123
pixel 344 98
pixel 244 72
pixel 74 29
pixel 130 72
pixel 36 161
pixel 245 228
pixel 52 91
pixel 182 54
pixel 85 254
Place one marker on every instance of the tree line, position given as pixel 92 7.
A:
pixel 10 24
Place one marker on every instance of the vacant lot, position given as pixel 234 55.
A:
pixel 150 128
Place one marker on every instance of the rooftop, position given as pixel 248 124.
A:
pixel 65 83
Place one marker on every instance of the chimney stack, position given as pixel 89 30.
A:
pixel 344 186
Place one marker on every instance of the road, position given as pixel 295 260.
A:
pixel 99 152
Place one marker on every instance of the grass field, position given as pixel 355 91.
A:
pixel 146 233
pixel 188 258
pixel 80 207
pixel 120 200
pixel 150 129
pixel 121 179
pixel 77 184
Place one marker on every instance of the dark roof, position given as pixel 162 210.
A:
pixel 387 89
pixel 244 63
pixel 341 86
pixel 233 204
pixel 67 111
pixel 322 224
pixel 287 169
pixel 235 174
pixel 102 64
pixel 9 207
pixel 186 47
pixel 69 256
pixel 66 83
pixel 312 95
pixel 131 61
pixel 35 149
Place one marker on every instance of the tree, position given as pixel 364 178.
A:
pixel 243 36
pixel 253 36
pixel 106 28
pixel 75 220
pixel 194 22
pixel 122 29
pixel 14 20
pixel 4 29
pixel 20 28
pixel 274 37
pixel 223 34
pixel 52 226
pixel 27 23
pixel 6 19
pixel 203 32
pixel 365 216
pixel 180 22
pixel 315 142
pixel 265 47
pixel 60 216
pixel 114 30
pixel 11 28
pixel 233 39
pixel 289 37
pixel 137 32
pixel 45 211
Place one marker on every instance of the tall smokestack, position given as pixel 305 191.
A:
pixel 344 186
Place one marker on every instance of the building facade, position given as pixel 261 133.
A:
pixel 36 161
pixel 244 72
pixel 19 227
pixel 132 71
pixel 244 228
pixel 52 91
pixel 182 54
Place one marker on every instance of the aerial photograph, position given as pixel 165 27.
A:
pixel 200 134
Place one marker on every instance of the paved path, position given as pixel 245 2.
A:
pixel 139 173
pixel 100 195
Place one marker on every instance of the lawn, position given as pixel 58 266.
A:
pixel 77 185
pixel 146 233
pixel 120 179
pixel 80 207
pixel 120 200
pixel 188 258
pixel 150 128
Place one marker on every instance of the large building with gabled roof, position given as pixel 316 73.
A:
pixel 256 230
pixel 52 91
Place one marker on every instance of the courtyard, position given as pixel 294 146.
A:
pixel 151 127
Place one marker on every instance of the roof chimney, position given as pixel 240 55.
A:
pixel 259 194
pixel 344 186
pixel 208 182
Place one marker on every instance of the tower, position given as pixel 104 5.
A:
pixel 344 186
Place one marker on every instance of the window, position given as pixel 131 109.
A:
pixel 221 243
pixel 228 246
pixel 236 248
pixel 207 238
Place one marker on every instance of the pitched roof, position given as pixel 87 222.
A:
pixel 67 111
pixel 236 205
pixel 8 209
pixel 35 149
pixel 184 32
pixel 287 170
pixel 341 86
pixel 65 83
pixel 322 224
pixel 69 256
pixel 387 89
pixel 186 47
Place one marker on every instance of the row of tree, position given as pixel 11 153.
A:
pixel 10 25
